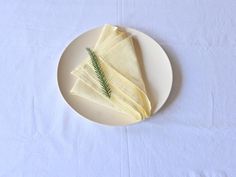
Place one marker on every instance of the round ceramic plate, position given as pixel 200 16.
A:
pixel 155 66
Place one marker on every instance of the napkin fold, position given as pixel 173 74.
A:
pixel 119 62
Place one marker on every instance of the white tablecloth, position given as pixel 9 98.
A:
pixel 194 135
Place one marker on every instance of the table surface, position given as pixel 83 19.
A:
pixel 193 135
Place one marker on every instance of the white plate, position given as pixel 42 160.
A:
pixel 154 63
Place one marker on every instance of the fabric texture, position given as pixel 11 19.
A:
pixel 193 135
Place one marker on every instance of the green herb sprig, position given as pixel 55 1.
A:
pixel 100 74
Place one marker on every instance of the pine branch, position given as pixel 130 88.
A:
pixel 100 74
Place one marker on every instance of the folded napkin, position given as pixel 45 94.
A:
pixel 118 60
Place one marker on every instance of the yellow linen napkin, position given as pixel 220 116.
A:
pixel 118 60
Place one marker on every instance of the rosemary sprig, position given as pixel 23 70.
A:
pixel 100 74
